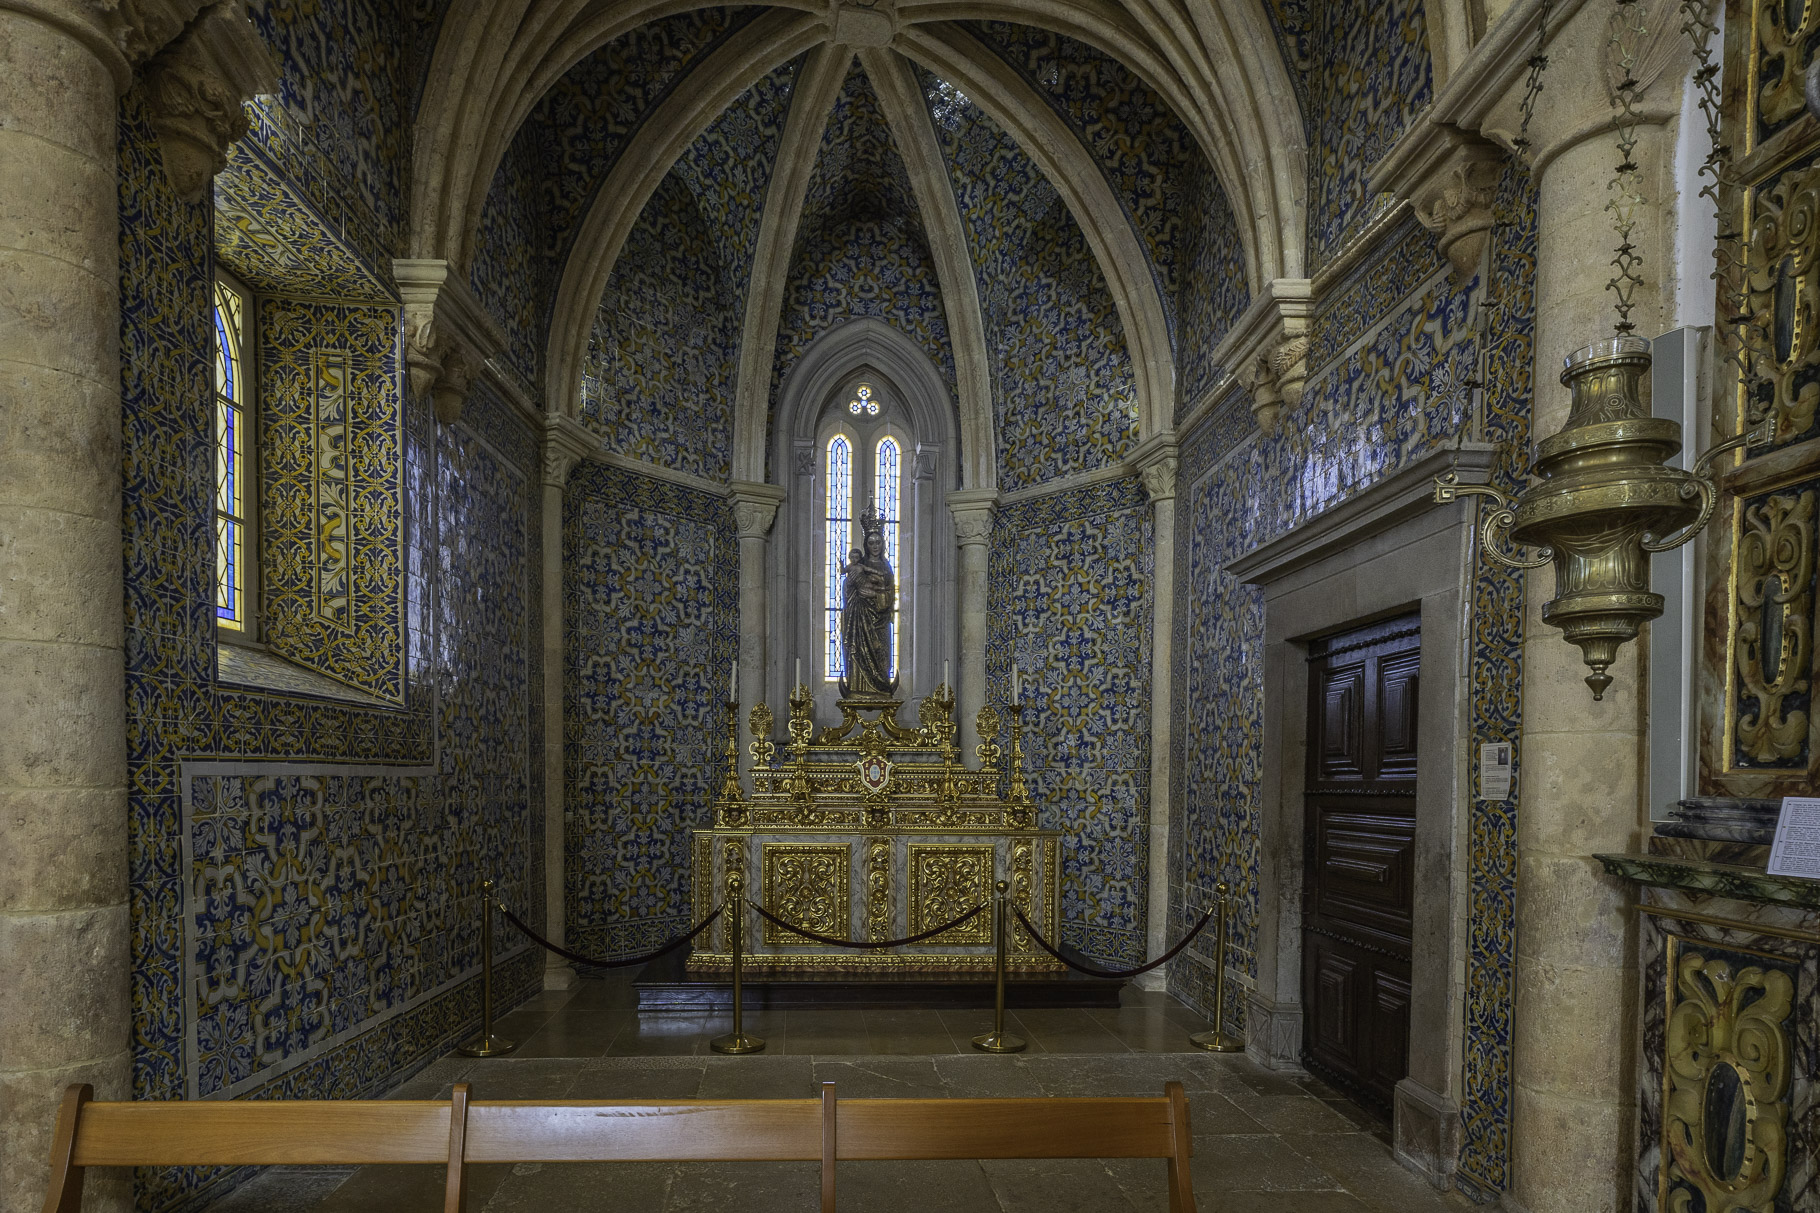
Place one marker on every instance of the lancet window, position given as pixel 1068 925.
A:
pixel 862 465
pixel 233 485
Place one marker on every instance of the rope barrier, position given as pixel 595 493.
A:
pixel 854 943
pixel 1115 974
pixel 591 961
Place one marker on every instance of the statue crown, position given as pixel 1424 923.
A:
pixel 871 521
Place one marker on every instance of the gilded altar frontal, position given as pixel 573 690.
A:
pixel 624 550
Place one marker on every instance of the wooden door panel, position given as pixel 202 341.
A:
pixel 1359 852
pixel 1365 871
pixel 1340 748
pixel 1397 685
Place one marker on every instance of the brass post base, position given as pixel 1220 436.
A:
pixel 1217 1041
pixel 999 1042
pixel 737 1042
pixel 488 1046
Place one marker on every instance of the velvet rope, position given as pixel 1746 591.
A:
pixel 1115 974
pixel 579 959
pixel 854 943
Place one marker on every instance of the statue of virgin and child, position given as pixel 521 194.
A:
pixel 868 599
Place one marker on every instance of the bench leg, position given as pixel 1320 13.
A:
pixel 65 1195
pixel 455 1189
pixel 1181 1177
pixel 829 1151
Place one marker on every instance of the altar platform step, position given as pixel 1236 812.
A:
pixel 667 985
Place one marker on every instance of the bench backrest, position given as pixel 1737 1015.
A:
pixel 459 1131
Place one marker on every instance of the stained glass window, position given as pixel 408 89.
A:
pixel 863 404
pixel 886 467
pixel 231 540
pixel 840 535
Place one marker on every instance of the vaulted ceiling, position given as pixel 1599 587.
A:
pixel 682 199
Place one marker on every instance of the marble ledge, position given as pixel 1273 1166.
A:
pixel 1714 879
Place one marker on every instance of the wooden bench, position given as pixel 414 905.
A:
pixel 462 1130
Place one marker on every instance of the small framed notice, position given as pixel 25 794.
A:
pixel 1796 850
pixel 1494 771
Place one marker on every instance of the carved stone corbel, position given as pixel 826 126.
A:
pixel 1267 349
pixel 195 89
pixel 566 442
pixel 754 507
pixel 449 337
pixel 1157 459
pixel 1451 180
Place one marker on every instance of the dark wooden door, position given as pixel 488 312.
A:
pixel 1359 851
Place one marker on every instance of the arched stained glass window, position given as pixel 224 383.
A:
pixel 231 544
pixel 839 480
pixel 887 464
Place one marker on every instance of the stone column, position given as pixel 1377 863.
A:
pixel 754 510
pixel 65 1005
pixel 1157 461
pixel 1581 786
pixel 566 442
pixel 972 510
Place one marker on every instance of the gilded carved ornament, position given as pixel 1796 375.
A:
pixel 1773 609
pixel 1725 1116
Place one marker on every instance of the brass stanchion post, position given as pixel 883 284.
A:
pixel 488 1045
pixel 1218 1040
pixel 737 1041
pixel 998 1040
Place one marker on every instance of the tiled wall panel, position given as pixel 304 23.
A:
pixel 650 578
pixel 1069 603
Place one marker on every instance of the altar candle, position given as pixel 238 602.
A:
pixel 944 671
pixel 733 684
pixel 799 671
pixel 1017 682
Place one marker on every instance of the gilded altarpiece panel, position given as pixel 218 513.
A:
pixel 1761 737
pixel 809 886
pixel 947 880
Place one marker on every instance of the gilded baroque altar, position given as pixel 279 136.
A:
pixel 873 830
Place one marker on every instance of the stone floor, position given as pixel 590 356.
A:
pixel 1262 1140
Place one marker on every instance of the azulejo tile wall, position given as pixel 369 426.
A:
pixel 331 478
pixel 1213 291
pixel 1069 602
pixel 1394 350
pixel 304 871
pixel 340 124
pixel 650 582
pixel 560 156
pixel 658 381
pixel 1371 78
pixel 1064 397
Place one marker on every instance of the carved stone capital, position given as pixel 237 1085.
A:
pixel 1267 349
pixel 1451 179
pixel 754 507
pixel 566 442
pixel 973 510
pixel 195 89
pixel 1157 460
pixel 449 337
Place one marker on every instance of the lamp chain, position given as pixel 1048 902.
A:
pixel 1628 34
pixel 1532 85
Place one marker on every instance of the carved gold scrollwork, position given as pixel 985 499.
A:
pixel 1724 1125
pixel 1782 58
pixel 1783 291
pixel 1023 883
pixel 947 880
pixel 733 871
pixel 806 885
pixel 1772 640
pixel 878 889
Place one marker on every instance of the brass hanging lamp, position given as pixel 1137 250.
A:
pixel 1605 497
